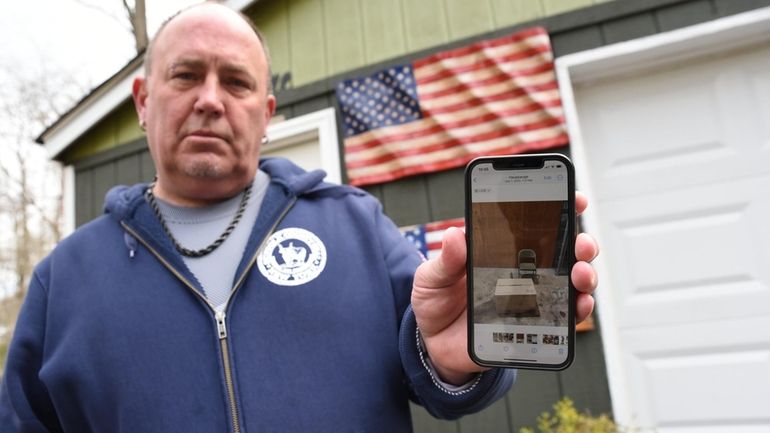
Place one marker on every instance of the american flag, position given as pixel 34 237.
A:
pixel 494 97
pixel 427 237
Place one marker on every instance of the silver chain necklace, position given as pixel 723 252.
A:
pixel 204 251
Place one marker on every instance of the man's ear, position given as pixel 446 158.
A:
pixel 270 108
pixel 139 92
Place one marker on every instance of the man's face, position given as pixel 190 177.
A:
pixel 205 105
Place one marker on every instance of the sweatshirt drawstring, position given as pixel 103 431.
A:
pixel 130 244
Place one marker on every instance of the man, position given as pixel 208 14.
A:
pixel 239 295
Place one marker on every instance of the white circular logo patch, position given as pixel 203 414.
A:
pixel 292 257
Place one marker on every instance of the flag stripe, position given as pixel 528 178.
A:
pixel 392 171
pixel 502 143
pixel 546 90
pixel 445 224
pixel 499 145
pixel 514 64
pixel 534 47
pixel 427 237
pixel 434 232
pixel 512 58
pixel 530 67
pixel 454 86
pixel 464 100
pixel 420 132
pixel 523 81
pixel 547 103
pixel 507 40
pixel 433 246
pixel 379 161
pixel 451 139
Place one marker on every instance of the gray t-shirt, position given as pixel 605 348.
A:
pixel 196 228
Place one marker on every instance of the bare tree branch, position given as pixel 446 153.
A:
pixel 137 20
pixel 111 15
pixel 130 12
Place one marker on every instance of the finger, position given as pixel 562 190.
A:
pixel 449 266
pixel 586 248
pixel 584 307
pixel 581 202
pixel 584 277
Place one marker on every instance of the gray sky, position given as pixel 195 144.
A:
pixel 65 34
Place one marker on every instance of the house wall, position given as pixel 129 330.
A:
pixel 119 128
pixel 312 51
pixel 313 47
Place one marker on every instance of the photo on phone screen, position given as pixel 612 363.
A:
pixel 520 217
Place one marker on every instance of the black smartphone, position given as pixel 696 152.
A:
pixel 520 230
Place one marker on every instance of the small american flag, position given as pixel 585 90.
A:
pixel 494 97
pixel 427 237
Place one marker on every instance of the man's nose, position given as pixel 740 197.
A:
pixel 209 100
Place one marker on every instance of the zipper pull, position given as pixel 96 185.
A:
pixel 221 327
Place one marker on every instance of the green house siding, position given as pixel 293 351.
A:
pixel 119 127
pixel 345 39
pixel 466 18
pixel 273 20
pixel 314 39
pixel 384 36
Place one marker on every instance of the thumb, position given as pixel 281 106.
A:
pixel 449 266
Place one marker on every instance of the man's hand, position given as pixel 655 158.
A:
pixel 439 300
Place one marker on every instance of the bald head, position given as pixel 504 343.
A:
pixel 148 54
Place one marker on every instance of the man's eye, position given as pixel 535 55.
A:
pixel 184 76
pixel 239 83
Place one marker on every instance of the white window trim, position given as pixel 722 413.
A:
pixel 323 124
pixel 676 46
pixel 68 200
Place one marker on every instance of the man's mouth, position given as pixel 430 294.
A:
pixel 204 133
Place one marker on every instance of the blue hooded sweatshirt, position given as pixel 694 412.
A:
pixel 116 335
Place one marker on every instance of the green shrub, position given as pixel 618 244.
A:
pixel 566 419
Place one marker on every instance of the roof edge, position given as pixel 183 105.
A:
pixel 94 106
pixel 239 4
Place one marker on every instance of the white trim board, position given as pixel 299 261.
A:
pixel 92 111
pixel 322 123
pixel 666 48
pixel 68 199
pixel 612 61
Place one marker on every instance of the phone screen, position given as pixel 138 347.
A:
pixel 520 231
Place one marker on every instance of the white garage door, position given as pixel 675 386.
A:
pixel 672 139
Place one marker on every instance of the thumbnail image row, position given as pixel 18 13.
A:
pixel 521 338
